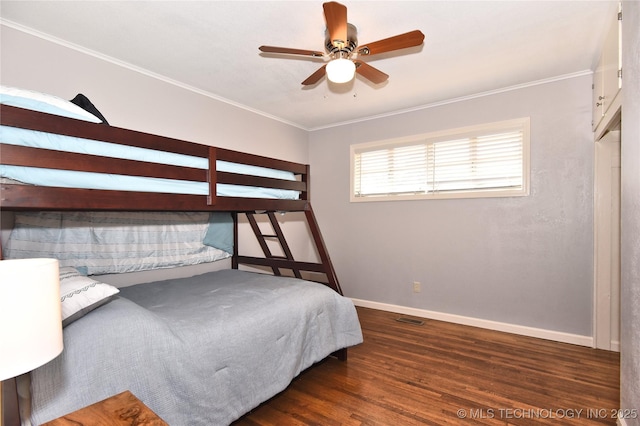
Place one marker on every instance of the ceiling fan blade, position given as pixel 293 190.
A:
pixel 289 51
pixel 370 73
pixel 336 17
pixel 402 41
pixel 315 77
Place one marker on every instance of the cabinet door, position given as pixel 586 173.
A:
pixel 606 83
pixel 611 65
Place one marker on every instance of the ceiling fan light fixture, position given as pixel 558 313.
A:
pixel 341 42
pixel 341 70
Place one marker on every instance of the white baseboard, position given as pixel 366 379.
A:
pixel 557 336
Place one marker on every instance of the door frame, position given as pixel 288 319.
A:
pixel 606 296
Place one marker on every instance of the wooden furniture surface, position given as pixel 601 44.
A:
pixel 123 409
pixel 9 415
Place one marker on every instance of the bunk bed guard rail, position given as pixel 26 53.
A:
pixel 16 196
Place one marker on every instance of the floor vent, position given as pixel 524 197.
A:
pixel 410 321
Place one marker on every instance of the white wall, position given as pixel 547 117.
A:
pixel 137 101
pixel 524 261
pixel 133 100
pixel 630 216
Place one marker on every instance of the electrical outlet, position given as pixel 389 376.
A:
pixel 416 287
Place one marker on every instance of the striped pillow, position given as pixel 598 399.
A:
pixel 80 295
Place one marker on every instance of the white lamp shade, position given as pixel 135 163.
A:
pixel 341 70
pixel 30 315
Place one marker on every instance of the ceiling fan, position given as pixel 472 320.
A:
pixel 343 51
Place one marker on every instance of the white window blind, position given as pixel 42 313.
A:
pixel 489 160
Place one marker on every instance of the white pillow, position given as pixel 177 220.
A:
pixel 42 102
pixel 80 295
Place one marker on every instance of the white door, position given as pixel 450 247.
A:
pixel 607 242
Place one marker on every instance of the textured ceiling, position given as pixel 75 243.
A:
pixel 471 47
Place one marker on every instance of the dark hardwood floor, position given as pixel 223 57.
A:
pixel 441 373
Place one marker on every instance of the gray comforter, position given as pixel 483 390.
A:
pixel 197 351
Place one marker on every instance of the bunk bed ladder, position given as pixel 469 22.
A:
pixel 278 262
pixel 277 235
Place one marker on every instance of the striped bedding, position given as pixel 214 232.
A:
pixel 113 242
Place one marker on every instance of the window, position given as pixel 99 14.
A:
pixel 490 160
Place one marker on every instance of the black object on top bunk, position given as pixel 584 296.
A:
pixel 83 102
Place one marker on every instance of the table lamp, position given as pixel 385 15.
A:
pixel 30 319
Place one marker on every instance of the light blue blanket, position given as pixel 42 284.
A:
pixel 198 351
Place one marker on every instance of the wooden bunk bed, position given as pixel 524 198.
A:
pixel 21 196
pixel 32 197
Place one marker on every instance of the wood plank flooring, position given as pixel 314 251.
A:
pixel 447 374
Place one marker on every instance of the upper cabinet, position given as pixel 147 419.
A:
pixel 607 79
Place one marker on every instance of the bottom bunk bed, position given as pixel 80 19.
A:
pixel 198 351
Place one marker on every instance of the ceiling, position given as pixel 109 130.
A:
pixel 470 48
